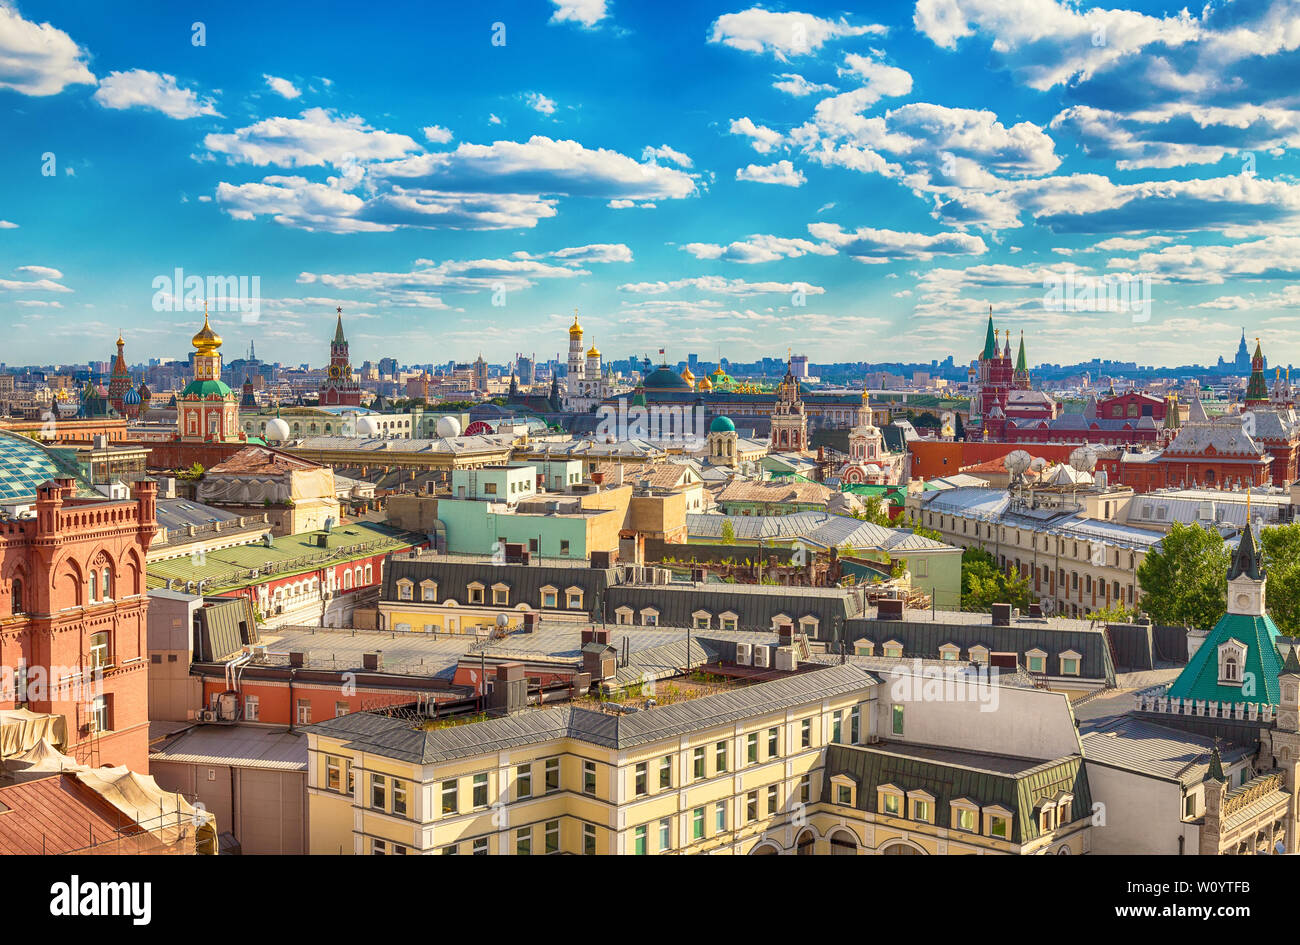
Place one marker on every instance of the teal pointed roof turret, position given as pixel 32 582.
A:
pixel 1021 366
pixel 990 340
pixel 1292 665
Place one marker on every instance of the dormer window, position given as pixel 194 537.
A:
pixel 1232 658
pixel 404 590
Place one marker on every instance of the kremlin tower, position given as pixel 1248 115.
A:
pixel 994 380
pixel 339 388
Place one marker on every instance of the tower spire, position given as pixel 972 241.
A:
pixel 990 339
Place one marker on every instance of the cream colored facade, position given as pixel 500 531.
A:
pixel 1075 574
pixel 753 785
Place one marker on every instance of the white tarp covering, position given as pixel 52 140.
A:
pixel 22 729
pixel 168 816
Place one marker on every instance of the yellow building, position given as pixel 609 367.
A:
pixel 782 766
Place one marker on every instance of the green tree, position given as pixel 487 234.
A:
pixel 728 532
pixel 875 512
pixel 917 528
pixel 1116 613
pixel 1183 580
pixel 983 584
pixel 1281 550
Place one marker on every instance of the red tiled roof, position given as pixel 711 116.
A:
pixel 262 461
pixel 56 815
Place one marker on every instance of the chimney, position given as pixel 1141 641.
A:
pixel 1001 615
pixel 531 620
pixel 372 662
pixel 887 609
pixel 297 659
pixel 510 688
pixel 1035 610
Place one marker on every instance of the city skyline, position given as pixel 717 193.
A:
pixel 858 185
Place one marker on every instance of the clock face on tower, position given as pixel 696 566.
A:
pixel 334 372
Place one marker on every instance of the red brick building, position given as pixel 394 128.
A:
pixel 73 604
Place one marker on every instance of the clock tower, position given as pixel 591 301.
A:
pixel 339 389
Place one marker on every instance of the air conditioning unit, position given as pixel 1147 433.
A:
pixel 763 656
pixel 208 715
pixel 786 660
pixel 744 654
pixel 259 652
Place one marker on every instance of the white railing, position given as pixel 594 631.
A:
pixel 1156 699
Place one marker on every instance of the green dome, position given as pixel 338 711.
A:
pixel 722 425
pixel 205 389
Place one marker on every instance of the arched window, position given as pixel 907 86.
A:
pixel 108 585
pixel 843 844
pixel 17 597
pixel 94 586
pixel 804 845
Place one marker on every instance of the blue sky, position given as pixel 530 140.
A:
pixel 707 177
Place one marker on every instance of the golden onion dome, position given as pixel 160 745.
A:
pixel 575 330
pixel 206 341
pixel 706 384
pixel 688 377
pixel 593 352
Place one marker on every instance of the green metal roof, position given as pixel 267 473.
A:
pixel 950 775
pixel 1200 677
pixel 990 342
pixel 230 569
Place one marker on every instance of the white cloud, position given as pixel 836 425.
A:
pixel 879 246
pixel 759 248
pixel 281 86
pixel 782 172
pixel 493 119
pixel 792 83
pixel 585 12
pixel 318 137
pixel 7 225
pixel 46 280
pixel 668 154
pixel 38 59
pixel 782 34
pixel 139 88
pixel 540 103
pixel 539 165
pixel 436 134
pixel 762 138
pixel 878 79
pixel 717 285
pixel 621 204
pixel 41 272
pixel 1120 244
pixel 594 253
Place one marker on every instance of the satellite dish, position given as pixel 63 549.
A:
pixel 1038 464
pixel 502 620
pixel 1017 462
pixel 1083 459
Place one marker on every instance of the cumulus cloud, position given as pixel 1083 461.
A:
pixel 44 279
pixel 782 172
pixel 782 34
pixel 583 12
pixel 8 225
pixel 717 285
pixel 761 138
pixel 436 134
pixel 37 58
pixel 316 138
pixel 139 88
pixel 869 245
pixel 282 87
pixel 759 248
pixel 667 154
pixel 792 83
pixel 540 103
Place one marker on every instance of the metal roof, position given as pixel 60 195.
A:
pixel 1156 750
pixel 823 529
pixel 240 746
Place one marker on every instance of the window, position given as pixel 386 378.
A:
pixel 773 742
pixel 304 711
pixel 475 593
pixel 835 727
pixel 702 619
pixel 480 797
pixel 666 772
pixel 697 824
pixel 450 804
pixel 341 709
pixel 697 764
pixel 892 803
pixel 844 795
pixel 552 774
pixel 523 782
pixel 805 789
pixel 564 547
pixel 378 791
pixel 773 798
pixel 334 773
pixel 921 810
pixel 965 818
pixel 16 606
pixel 588 840
pixel 429 592
pixel 403 590
pixel 720 816
pixel 897 719
pixel 1036 661
pixel 98 651
pixel 377 847
pixel 481 846
pixel 642 779
pixel 666 834
pixel 589 777
pixel 650 617
pixel 573 598
pixel 751 807
pixel 524 841
pixel 399 850
pixel 500 595
pixel 998 826
pixel 751 748
pixel 720 758
pixel 805 733
pixel 639 841
pixel 552 836
pixel 855 724
pixel 399 797
pixel 548 596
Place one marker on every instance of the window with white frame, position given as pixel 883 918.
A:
pixel 1232 657
pixel 650 616
pixel 949 651
pixel 1036 661
pixel 889 800
pixel 623 615
pixel 728 620
pixel 701 619
pixel 549 596
pixel 501 595
pixel 965 815
pixel 475 591
pixel 1070 661
pixel 404 590
pixel 573 598
pixel 429 591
